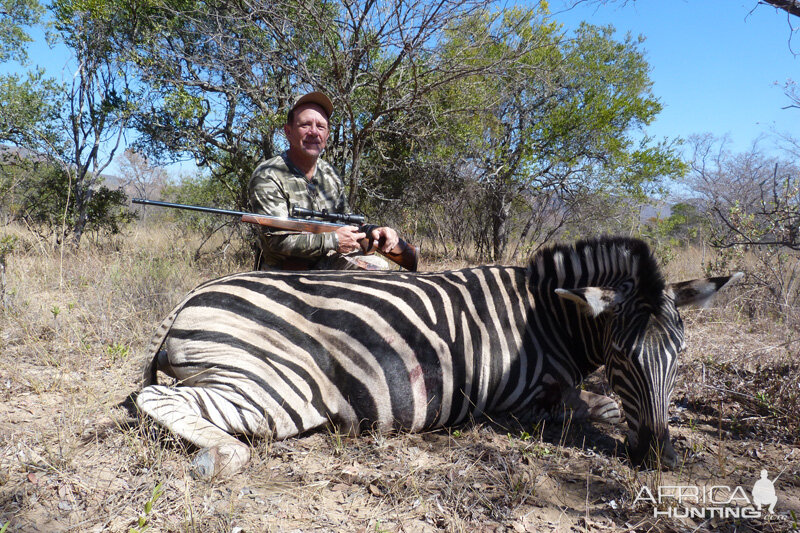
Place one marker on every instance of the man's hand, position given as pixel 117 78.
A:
pixel 349 236
pixel 389 236
pixel 348 239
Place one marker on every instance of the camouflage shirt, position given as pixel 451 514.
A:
pixel 275 187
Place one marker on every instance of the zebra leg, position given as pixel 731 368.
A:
pixel 184 411
pixel 585 405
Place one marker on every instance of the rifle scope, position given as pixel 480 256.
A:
pixel 347 218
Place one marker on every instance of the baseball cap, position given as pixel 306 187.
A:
pixel 318 98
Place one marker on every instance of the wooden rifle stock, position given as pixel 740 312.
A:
pixel 404 254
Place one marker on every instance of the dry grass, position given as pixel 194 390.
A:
pixel 72 336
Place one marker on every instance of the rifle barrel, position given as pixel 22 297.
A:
pixel 212 210
pixel 287 223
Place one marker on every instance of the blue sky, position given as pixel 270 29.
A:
pixel 717 66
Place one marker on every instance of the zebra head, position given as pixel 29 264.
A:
pixel 642 334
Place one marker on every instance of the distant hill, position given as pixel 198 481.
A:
pixel 8 153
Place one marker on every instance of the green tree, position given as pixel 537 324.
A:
pixel 29 111
pixel 564 121
pixel 16 16
pixel 27 101
pixel 215 78
pixel 686 223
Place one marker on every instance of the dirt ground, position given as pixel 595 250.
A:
pixel 71 346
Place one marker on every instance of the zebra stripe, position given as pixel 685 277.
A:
pixel 281 353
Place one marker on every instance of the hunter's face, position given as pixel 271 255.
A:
pixel 308 132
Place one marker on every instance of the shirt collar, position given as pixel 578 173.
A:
pixel 296 171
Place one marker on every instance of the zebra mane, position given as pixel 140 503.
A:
pixel 554 264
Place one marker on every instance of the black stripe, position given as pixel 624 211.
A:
pixel 392 365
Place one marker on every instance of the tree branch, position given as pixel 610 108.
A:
pixel 790 6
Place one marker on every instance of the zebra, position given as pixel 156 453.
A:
pixel 277 354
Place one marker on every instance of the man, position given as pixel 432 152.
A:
pixel 299 178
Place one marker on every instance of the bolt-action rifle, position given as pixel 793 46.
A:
pixel 404 254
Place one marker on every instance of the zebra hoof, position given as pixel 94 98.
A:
pixel 585 405
pixel 220 461
pixel 609 413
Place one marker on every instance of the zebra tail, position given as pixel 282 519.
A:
pixel 155 352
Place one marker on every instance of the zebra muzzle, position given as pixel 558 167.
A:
pixel 652 450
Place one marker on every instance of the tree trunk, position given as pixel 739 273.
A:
pixel 83 196
pixel 500 209
pixel 352 194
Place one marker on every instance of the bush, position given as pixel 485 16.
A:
pixel 42 199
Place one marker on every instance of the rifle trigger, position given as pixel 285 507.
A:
pixel 373 245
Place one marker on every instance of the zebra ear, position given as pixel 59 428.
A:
pixel 593 300
pixel 700 291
